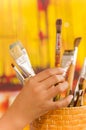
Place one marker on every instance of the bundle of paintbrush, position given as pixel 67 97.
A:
pixel 79 92
pixel 69 56
pixel 20 55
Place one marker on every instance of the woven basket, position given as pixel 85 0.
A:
pixel 73 118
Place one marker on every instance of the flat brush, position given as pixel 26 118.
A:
pixel 13 51
pixel 72 69
pixel 66 68
pixel 76 44
pixel 77 41
pixel 19 54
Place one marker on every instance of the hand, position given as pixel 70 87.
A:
pixel 35 99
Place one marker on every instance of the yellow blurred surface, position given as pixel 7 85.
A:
pixel 22 20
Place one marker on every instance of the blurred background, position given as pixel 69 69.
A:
pixel 33 23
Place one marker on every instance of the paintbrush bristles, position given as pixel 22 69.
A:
pixel 16 51
pixel 77 41
pixel 59 22
pixel 58 25
pixel 16 43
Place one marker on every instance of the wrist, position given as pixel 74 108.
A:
pixel 11 121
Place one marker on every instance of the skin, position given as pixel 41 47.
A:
pixel 35 99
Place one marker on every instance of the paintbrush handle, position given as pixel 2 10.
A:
pixel 84 84
pixel 84 96
pixel 57 60
pixel 71 76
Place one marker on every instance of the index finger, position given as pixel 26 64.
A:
pixel 48 73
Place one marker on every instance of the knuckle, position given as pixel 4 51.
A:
pixel 65 85
pixel 59 69
pixel 60 78
pixel 36 89
pixel 48 72
pixel 57 106
pixel 55 77
pixel 62 87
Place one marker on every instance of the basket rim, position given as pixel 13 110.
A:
pixel 67 108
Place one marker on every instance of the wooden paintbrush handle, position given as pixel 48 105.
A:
pixel 71 76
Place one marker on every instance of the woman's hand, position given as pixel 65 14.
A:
pixel 36 98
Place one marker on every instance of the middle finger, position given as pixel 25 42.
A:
pixel 53 91
pixel 55 79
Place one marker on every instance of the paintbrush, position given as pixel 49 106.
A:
pixel 58 42
pixel 18 74
pixel 76 44
pixel 84 96
pixel 82 74
pixel 81 85
pixel 19 54
pixel 79 100
pixel 72 68
pixel 81 92
pixel 66 68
